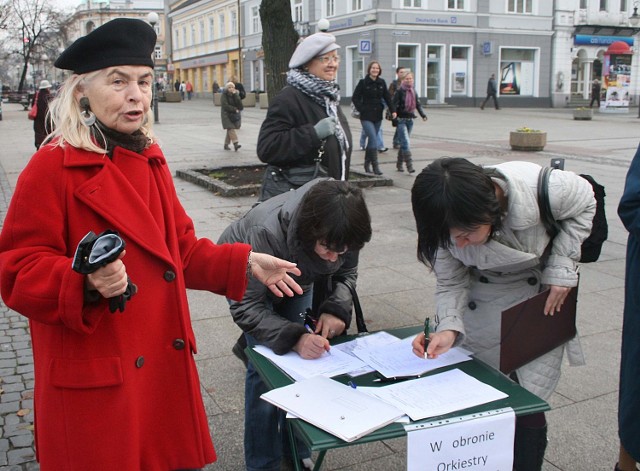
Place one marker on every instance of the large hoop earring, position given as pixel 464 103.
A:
pixel 88 118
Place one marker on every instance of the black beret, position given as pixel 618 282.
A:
pixel 122 41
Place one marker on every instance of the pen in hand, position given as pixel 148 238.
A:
pixel 310 330
pixel 427 330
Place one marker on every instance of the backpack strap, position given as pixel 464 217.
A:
pixel 544 205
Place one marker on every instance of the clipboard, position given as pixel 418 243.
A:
pixel 526 333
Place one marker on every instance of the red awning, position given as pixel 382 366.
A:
pixel 619 47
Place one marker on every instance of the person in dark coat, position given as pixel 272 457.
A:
pixel 595 93
pixel 492 92
pixel 230 112
pixel 41 127
pixel 115 389
pixel 629 393
pixel 321 226
pixel 367 98
pixel 305 120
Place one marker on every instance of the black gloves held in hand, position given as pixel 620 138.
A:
pixel 95 251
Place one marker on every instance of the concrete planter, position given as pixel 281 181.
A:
pixel 264 101
pixel 528 141
pixel 249 100
pixel 172 97
pixel 583 115
pixel 216 99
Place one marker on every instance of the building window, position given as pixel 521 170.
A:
pixel 330 7
pixel 603 5
pixel 211 36
pixel 157 52
pixel 234 22
pixel 356 5
pixel 297 11
pixel 623 5
pixel 583 4
pixel 201 24
pixel 193 34
pixel 184 36
pixel 455 4
pixel 177 39
pixel 221 29
pixel 520 6
pixel 255 19
pixel 408 4
pixel 517 71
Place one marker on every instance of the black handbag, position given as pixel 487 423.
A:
pixel 234 117
pixel 278 180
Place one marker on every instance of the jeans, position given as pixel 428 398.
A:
pixel 371 129
pixel 363 139
pixel 405 125
pixel 266 438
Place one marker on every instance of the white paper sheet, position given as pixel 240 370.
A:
pixel 334 407
pixel 299 368
pixel 437 395
pixel 398 359
pixel 365 342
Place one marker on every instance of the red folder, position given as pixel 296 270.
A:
pixel 526 333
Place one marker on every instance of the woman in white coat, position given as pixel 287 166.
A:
pixel 479 230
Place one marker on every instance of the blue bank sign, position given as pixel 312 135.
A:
pixel 587 39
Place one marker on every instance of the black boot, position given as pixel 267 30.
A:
pixel 367 163
pixel 409 161
pixel 399 161
pixel 530 445
pixel 236 146
pixel 373 158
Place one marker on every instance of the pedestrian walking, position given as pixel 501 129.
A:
pixel 492 92
pixel 393 86
pixel 595 93
pixel 230 112
pixel 98 252
pixel 406 102
pixel 41 126
pixel 183 90
pixel 368 99
pixel 189 89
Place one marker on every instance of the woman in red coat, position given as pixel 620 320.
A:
pixel 115 391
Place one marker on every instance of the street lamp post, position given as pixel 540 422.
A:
pixel 634 19
pixel 153 18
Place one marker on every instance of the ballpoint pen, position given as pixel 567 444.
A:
pixel 427 330
pixel 310 330
pixel 395 379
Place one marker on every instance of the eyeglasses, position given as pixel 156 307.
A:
pixel 327 59
pixel 330 249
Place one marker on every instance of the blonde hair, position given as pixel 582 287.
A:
pixel 68 123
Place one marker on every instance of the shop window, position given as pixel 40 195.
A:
pixel 460 66
pixel 356 66
pixel 517 71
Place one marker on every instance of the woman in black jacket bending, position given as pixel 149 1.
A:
pixel 367 98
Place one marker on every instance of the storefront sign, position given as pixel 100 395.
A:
pixel 435 19
pixel 587 39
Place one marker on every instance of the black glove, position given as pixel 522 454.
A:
pixel 96 251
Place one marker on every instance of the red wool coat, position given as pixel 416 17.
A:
pixel 113 392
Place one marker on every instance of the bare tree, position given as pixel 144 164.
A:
pixel 279 39
pixel 35 29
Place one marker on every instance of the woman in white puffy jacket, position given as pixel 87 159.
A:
pixel 479 230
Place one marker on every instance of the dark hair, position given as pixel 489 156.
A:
pixel 371 65
pixel 399 68
pixel 452 193
pixel 334 212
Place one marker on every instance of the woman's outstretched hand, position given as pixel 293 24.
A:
pixel 274 272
